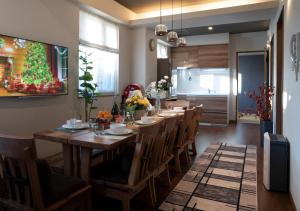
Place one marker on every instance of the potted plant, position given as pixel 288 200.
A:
pixel 263 109
pixel 87 88
pixel 136 104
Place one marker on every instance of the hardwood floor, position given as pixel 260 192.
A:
pixel 236 134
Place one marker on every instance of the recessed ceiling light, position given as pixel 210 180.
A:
pixel 210 28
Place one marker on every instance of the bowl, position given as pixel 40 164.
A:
pixel 116 125
pixel 147 119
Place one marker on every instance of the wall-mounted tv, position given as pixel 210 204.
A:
pixel 30 68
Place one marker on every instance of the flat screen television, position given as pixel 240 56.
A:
pixel 30 68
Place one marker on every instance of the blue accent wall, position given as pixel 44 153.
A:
pixel 251 68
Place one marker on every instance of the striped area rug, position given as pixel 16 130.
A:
pixel 222 178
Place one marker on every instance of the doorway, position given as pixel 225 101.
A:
pixel 279 73
pixel 250 75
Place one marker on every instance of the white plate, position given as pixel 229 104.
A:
pixel 77 127
pixel 173 111
pixel 167 114
pixel 118 131
pixel 140 122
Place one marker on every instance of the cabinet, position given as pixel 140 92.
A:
pixel 276 162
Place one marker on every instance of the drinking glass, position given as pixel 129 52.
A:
pixel 93 124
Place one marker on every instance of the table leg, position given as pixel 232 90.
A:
pixel 76 161
pixel 68 159
pixel 86 164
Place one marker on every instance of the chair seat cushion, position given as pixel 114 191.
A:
pixel 57 187
pixel 116 170
pixel 97 152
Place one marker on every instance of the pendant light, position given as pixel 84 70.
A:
pixel 181 42
pixel 172 35
pixel 160 29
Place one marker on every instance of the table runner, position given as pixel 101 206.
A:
pixel 222 178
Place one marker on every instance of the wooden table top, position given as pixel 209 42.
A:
pixel 59 135
pixel 106 142
pixel 87 138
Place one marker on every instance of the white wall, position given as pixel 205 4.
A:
pixel 255 41
pixel 56 22
pixel 144 61
pixel 291 97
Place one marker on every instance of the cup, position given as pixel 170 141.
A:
pixel 146 119
pixel 72 122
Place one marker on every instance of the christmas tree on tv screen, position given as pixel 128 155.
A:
pixel 36 68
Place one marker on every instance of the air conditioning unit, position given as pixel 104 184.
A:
pixel 276 165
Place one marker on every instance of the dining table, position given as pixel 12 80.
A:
pixel 78 145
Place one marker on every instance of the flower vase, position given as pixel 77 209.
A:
pixel 157 103
pixel 265 126
pixel 138 114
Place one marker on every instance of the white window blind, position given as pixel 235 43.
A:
pixel 100 38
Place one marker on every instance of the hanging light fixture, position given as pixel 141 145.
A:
pixel 172 35
pixel 181 42
pixel 160 29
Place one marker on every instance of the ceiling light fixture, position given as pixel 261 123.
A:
pixel 172 35
pixel 181 42
pixel 210 28
pixel 160 29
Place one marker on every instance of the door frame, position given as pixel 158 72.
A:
pixel 257 52
pixel 279 72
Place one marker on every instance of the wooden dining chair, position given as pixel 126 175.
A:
pixel 129 173
pixel 194 130
pixel 181 143
pixel 177 103
pixel 30 185
pixel 163 152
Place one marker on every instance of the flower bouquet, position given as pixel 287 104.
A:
pixel 136 104
pixel 104 118
pixel 160 88
pixel 263 109
pixel 263 101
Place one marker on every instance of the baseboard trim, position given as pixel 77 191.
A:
pixel 292 202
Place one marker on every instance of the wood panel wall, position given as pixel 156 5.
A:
pixel 203 56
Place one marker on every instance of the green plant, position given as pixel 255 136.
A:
pixel 36 68
pixel 87 89
pixel 1 42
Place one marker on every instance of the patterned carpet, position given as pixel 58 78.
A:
pixel 222 178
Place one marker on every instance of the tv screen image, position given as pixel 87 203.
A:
pixel 30 68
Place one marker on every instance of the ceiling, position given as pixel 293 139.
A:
pixel 233 28
pixel 141 6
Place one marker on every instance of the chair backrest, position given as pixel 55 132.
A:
pixel 184 127
pixel 194 123
pixel 146 139
pixel 18 163
pixel 177 103
pixel 170 129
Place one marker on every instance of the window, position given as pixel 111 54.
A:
pixel 198 81
pixel 162 51
pixel 100 38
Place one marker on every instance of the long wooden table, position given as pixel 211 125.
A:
pixel 78 146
